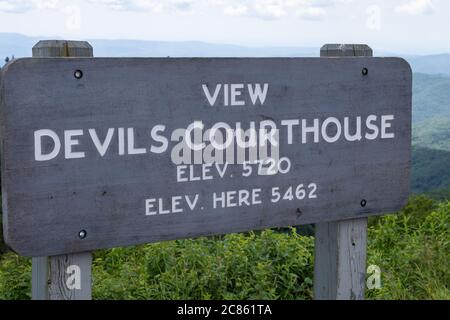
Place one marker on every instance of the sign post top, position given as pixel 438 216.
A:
pixel 62 48
pixel 346 50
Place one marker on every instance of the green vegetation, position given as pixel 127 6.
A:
pixel 431 97
pixel 430 170
pixel 266 265
pixel 412 249
pixel 433 133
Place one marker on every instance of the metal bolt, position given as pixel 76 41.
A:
pixel 365 71
pixel 363 203
pixel 78 74
pixel 82 234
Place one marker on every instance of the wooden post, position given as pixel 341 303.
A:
pixel 64 277
pixel 340 247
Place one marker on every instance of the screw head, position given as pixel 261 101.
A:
pixel 82 234
pixel 78 74
pixel 365 71
pixel 363 203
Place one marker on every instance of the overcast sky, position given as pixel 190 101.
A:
pixel 406 26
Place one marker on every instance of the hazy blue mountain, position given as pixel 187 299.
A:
pixel 129 48
pixel 430 169
pixel 431 96
pixel 15 44
pixel 433 133
pixel 20 46
pixel 432 64
pixel 431 112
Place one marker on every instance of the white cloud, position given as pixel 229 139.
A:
pixel 149 5
pixel 114 4
pixel 273 9
pixel 46 4
pixel 236 10
pixel 311 13
pixel 15 6
pixel 132 5
pixel 19 6
pixel 264 9
pixel 416 7
pixel 269 8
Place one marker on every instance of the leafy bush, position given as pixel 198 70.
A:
pixel 15 277
pixel 413 251
pixel 268 265
pixel 411 248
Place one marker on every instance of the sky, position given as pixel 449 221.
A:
pixel 405 26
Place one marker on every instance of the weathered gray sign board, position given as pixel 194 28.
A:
pixel 91 148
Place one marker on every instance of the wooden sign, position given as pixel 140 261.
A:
pixel 103 152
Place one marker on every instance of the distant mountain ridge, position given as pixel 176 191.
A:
pixel 432 64
pixel 127 48
pixel 15 44
pixel 20 46
pixel 431 97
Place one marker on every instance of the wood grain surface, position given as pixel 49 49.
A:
pixel 47 203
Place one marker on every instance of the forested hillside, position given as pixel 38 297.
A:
pixel 430 169
pixel 431 134
pixel 431 97
pixel 431 64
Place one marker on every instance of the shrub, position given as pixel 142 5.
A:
pixel 268 265
pixel 413 251
pixel 411 248
pixel 15 277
